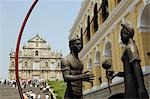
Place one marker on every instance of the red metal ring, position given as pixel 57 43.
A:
pixel 17 47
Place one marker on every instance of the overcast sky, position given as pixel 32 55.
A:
pixel 50 19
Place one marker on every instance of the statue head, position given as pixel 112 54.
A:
pixel 75 45
pixel 126 33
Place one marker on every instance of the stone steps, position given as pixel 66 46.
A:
pixel 8 92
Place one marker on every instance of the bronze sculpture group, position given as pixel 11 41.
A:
pixel 133 76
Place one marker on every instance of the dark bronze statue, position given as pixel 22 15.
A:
pixel 72 71
pixel 133 75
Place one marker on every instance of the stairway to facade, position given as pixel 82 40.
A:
pixel 37 91
pixel 8 92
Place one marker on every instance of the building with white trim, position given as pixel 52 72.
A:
pixel 101 40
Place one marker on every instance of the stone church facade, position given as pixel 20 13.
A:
pixel 36 61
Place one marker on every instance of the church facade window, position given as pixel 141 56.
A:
pixel 36 53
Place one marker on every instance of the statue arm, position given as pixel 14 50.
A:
pixel 120 74
pixel 69 77
pixel 66 70
pixel 86 76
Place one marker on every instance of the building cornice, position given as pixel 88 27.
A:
pixel 83 8
pixel 144 29
pixel 30 69
pixel 37 36
pixel 108 25
pixel 42 57
pixel 38 48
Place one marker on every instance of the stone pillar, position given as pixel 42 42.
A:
pixel 85 39
pixel 97 73
pixel 92 32
pixel 86 85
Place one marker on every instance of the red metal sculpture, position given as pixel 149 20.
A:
pixel 17 47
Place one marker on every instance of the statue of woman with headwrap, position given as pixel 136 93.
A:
pixel 133 75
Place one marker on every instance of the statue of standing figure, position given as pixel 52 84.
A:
pixel 133 75
pixel 72 71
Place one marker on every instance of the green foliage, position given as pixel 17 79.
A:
pixel 59 88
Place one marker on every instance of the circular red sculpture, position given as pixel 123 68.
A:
pixel 17 47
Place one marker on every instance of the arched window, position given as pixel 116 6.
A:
pixel 97 58
pixel 53 65
pixel 90 65
pixel 20 65
pixel 36 44
pixel 108 54
pixel 95 18
pixel 36 65
pixel 88 28
pixel 26 64
pixel 81 33
pixel 98 68
pixel 105 12
pixel 46 64
pixel 58 63
pixel 144 22
pixel 36 53
pixel 118 1
pixel 107 50
pixel 13 63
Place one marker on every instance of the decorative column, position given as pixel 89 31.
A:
pixel 96 70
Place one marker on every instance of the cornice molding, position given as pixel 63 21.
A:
pixel 81 13
pixel 115 16
pixel 144 29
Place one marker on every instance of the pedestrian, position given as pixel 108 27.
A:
pixel 46 96
pixel 39 96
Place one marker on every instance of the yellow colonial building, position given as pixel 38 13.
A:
pixel 99 24
pixel 36 61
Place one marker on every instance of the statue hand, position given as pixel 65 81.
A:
pixel 87 76
pixel 120 74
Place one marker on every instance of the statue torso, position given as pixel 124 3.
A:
pixel 76 68
pixel 130 55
